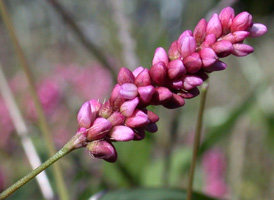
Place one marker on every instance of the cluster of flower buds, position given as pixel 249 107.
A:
pixel 173 77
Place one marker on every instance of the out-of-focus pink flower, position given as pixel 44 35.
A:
pixel 6 125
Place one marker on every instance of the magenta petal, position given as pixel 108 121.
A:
pixel 103 150
pixel 95 105
pixel 177 84
pixel 222 48
pixel 237 36
pixel 226 17
pixel 128 91
pixel 138 119
pixel 242 22
pixel 191 81
pixel 105 110
pixel 257 30
pixel 190 93
pixel 99 129
pixel 175 102
pixel 125 76
pixel 121 133
pixel 158 73
pixel 176 69
pixel 143 78
pixel 209 40
pixel 187 45
pixel 161 95
pixel 160 55
pixel 146 93
pixel 116 99
pixel 86 116
pixel 217 66
pixel 116 118
pixel 137 71
pixel 173 52
pixel 128 107
pixel 208 56
pixel 214 26
pixel 199 32
pixel 152 116
pixel 242 49
pixel 193 63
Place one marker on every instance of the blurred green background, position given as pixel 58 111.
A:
pixel 239 115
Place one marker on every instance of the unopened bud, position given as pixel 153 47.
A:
pixel 193 63
pixel 242 22
pixel 125 76
pixel 214 26
pixel 160 55
pixel 121 133
pixel 128 91
pixel 222 48
pixel 99 129
pixel 187 45
pixel 176 69
pixel 173 51
pixel 86 116
pixel 103 150
pixel 199 32
pixel 158 73
pixel 208 56
pixel 143 78
pixel 226 17
pixel 257 30
pixel 146 93
pixel 138 119
pixel 241 50
pixel 128 107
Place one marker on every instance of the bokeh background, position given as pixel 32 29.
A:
pixel 59 39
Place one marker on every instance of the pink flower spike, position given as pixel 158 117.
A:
pixel 222 48
pixel 187 45
pixel 158 73
pixel 116 118
pixel 214 26
pixel 137 71
pixel 217 66
pixel 192 81
pixel 237 36
pixel 209 40
pixel 128 107
pixel 103 150
pixel 146 93
pixel 208 56
pixel 138 119
pixel 161 95
pixel 176 69
pixel 241 50
pixel 121 133
pixel 125 76
pixel 95 105
pixel 143 79
pixel 200 31
pixel 242 22
pixel 128 91
pixel 86 116
pixel 193 63
pixel 116 98
pixel 160 55
pixel 226 17
pixel 152 128
pixel 99 129
pixel 175 102
pixel 173 52
pixel 257 30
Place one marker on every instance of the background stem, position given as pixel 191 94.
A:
pixel 197 139
pixel 41 117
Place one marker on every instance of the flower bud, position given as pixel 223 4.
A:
pixel 208 56
pixel 222 48
pixel 173 52
pixel 176 69
pixel 116 98
pixel 193 63
pixel 128 91
pixel 187 45
pixel 160 55
pixel 128 107
pixel 214 26
pixel 185 33
pixel 158 73
pixel 105 110
pixel 125 76
pixel 152 127
pixel 226 17
pixel 86 116
pixel 116 118
pixel 200 31
pixel 146 93
pixel 192 81
pixel 241 50
pixel 177 84
pixel 138 119
pixel 237 36
pixel 139 134
pixel 121 133
pixel 209 40
pixel 242 22
pixel 137 71
pixel 257 30
pixel 152 116
pixel 217 66
pixel 96 105
pixel 99 129
pixel 175 102
pixel 103 150
pixel 161 95
pixel 190 93
pixel 143 78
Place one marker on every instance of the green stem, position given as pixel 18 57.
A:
pixel 41 116
pixel 197 140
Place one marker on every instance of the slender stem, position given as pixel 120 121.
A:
pixel 197 140
pixel 62 152
pixel 41 116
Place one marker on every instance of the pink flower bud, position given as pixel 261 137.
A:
pixel 152 128
pixel 173 52
pixel 128 107
pixel 116 98
pixel 146 93
pixel 96 105
pixel 103 150
pixel 158 73
pixel 214 26
pixel 177 84
pixel 105 110
pixel 241 49
pixel 200 31
pixel 160 55
pixel 217 66
pixel 226 16
pixel 237 36
pixel 138 119
pixel 192 81
pixel 121 133
pixel 193 63
pixel 187 45
pixel 222 48
pixel 152 116
pixel 175 102
pixel 209 40
pixel 190 93
pixel 137 71
pixel 128 91
pixel 208 56
pixel 176 69
pixel 185 33
pixel 242 22
pixel 86 116
pixel 99 129
pixel 257 30
pixel 139 134
pixel 116 118
pixel 161 95
pixel 143 78
pixel 125 76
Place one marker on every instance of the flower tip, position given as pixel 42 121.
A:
pixel 257 30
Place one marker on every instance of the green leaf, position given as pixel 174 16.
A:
pixel 152 194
